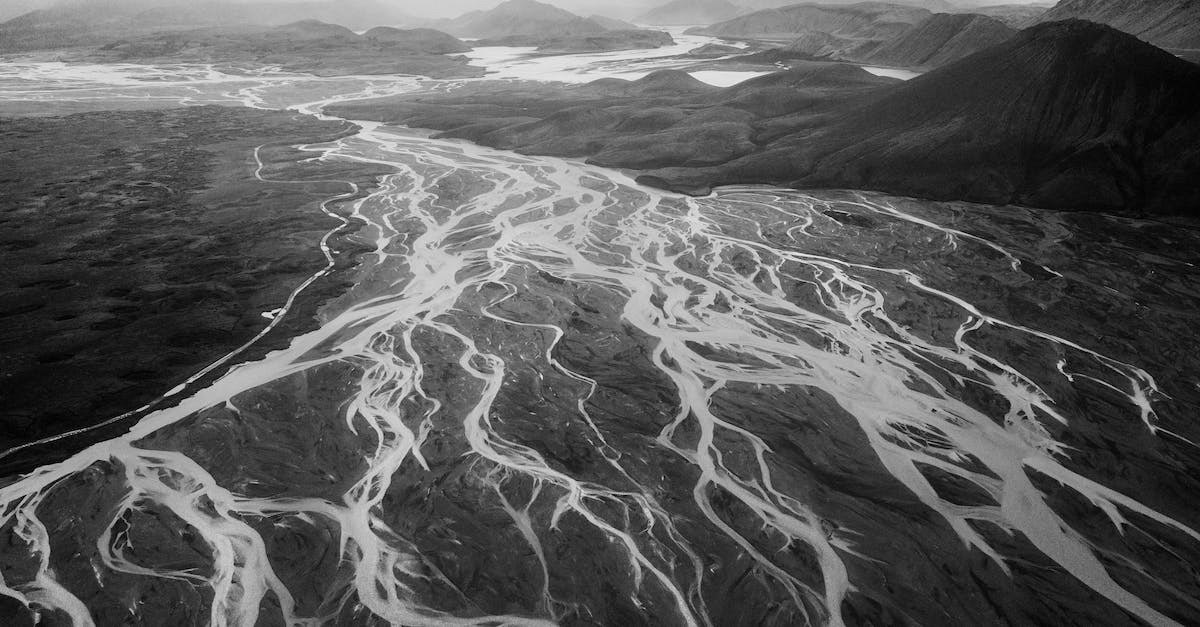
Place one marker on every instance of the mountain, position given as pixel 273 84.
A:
pixel 1064 115
pixel 864 21
pixel 551 29
pixel 1171 24
pixel 1014 15
pixel 1071 115
pixel 520 18
pixel 942 38
pixel 306 46
pixel 936 6
pixel 415 40
pixel 95 22
pixel 612 23
pixel 690 12
pixel 14 8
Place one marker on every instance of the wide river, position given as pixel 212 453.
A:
pixel 553 396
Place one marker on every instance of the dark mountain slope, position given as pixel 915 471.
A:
pixel 1068 114
pixel 1165 23
pixel 942 38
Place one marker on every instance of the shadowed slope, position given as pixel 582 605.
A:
pixel 1067 115
pixel 690 12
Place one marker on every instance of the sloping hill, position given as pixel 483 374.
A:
pixel 1015 15
pixel 520 18
pixel 551 29
pixel 305 46
pixel 942 38
pixel 936 6
pixel 861 21
pixel 1068 114
pixel 690 12
pixel 1164 23
pixel 96 22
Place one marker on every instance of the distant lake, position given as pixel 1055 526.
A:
pixel 892 72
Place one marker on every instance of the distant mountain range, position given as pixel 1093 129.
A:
pixel 96 22
pixel 873 32
pixel 1067 115
pixel 305 46
pixel 944 6
pixel 940 39
pixel 864 21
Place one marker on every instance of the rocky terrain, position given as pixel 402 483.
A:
pixel 1068 115
pixel 147 250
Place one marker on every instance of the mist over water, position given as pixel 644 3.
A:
pixel 553 396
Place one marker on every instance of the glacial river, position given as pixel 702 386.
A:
pixel 553 396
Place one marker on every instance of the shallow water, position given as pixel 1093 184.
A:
pixel 524 63
pixel 892 72
pixel 555 396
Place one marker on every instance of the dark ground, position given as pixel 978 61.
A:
pixel 137 247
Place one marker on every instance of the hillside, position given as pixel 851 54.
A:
pixel 520 18
pixel 863 21
pixel 664 119
pixel 1015 15
pixel 936 6
pixel 1164 23
pixel 306 46
pixel 942 38
pixel 96 22
pixel 1070 115
pixel 690 12
pixel 550 29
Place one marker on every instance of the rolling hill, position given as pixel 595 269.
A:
pixel 940 39
pixel 862 21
